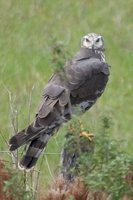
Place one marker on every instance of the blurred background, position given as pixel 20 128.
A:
pixel 28 32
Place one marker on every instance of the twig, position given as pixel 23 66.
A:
pixel 30 102
pixel 49 167
pixel 14 124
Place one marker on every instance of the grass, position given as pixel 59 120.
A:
pixel 26 31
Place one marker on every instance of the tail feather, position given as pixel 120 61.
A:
pixel 24 137
pixel 38 137
pixel 18 140
pixel 34 150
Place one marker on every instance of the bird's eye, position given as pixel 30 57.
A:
pixel 87 40
pixel 98 40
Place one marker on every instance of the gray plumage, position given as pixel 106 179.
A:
pixel 80 82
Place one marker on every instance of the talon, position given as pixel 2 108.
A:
pixel 87 134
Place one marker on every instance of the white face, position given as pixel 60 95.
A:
pixel 93 41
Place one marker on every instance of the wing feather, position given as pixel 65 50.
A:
pixel 81 71
pixel 53 93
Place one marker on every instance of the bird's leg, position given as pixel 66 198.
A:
pixel 84 133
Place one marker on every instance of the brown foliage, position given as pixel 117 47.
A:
pixel 127 198
pixel 58 191
pixel 63 190
pixel 129 179
pixel 4 176
pixel 78 190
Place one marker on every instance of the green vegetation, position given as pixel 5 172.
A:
pixel 11 188
pixel 107 167
pixel 101 164
pixel 27 31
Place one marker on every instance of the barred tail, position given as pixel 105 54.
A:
pixel 33 152
pixel 18 140
pixel 25 136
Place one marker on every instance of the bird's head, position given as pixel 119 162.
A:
pixel 93 41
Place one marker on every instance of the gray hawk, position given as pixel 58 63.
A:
pixel 80 82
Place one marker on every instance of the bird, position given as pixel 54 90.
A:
pixel 80 82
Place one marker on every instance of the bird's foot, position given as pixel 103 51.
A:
pixel 87 135
pixel 84 133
